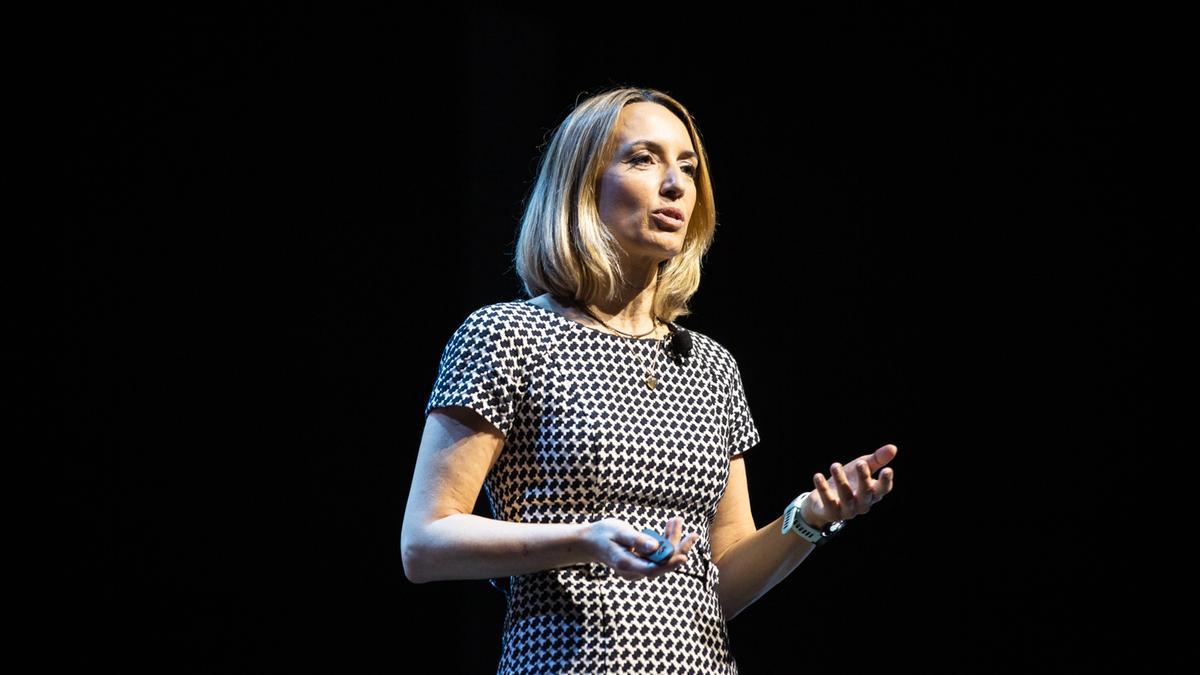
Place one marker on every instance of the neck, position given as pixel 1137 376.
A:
pixel 632 310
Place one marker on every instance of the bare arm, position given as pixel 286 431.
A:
pixel 441 539
pixel 751 560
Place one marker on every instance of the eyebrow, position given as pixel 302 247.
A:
pixel 655 146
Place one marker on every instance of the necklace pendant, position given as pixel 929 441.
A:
pixel 651 382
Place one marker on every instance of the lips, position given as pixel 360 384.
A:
pixel 667 222
pixel 671 212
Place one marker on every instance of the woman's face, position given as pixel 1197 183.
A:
pixel 654 167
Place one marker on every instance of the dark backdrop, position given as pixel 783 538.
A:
pixel 930 236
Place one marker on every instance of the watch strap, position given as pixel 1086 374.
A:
pixel 794 522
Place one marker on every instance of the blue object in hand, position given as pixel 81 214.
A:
pixel 664 550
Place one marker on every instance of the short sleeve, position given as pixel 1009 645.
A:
pixel 743 433
pixel 481 369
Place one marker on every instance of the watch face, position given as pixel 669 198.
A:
pixel 833 528
pixel 790 520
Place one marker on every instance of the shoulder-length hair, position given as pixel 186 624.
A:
pixel 565 249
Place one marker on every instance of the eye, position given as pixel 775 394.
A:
pixel 690 169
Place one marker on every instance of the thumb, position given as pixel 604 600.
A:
pixel 642 543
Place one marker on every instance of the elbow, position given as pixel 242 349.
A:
pixel 411 569
pixel 421 553
pixel 410 559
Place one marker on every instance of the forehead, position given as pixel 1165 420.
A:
pixel 651 121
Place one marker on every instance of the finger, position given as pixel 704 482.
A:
pixel 631 570
pixel 887 480
pixel 667 527
pixel 641 567
pixel 671 533
pixel 880 458
pixel 674 529
pixel 867 493
pixel 679 551
pixel 679 557
pixel 883 485
pixel 636 541
pixel 845 492
pixel 864 472
pixel 632 566
pixel 829 497
pixel 686 548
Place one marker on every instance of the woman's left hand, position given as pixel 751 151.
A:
pixel 852 491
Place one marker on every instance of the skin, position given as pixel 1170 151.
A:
pixel 753 560
pixel 612 541
pixel 459 447
pixel 850 493
pixel 637 180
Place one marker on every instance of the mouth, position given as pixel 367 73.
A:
pixel 671 219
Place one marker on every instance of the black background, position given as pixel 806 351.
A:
pixel 931 234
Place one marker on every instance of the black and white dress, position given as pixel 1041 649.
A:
pixel 586 439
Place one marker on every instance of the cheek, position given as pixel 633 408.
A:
pixel 622 201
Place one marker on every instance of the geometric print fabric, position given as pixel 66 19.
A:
pixel 586 439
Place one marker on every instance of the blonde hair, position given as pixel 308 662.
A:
pixel 565 249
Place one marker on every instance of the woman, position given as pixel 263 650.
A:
pixel 592 418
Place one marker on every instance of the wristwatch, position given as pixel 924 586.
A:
pixel 794 522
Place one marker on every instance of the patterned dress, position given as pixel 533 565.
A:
pixel 586 439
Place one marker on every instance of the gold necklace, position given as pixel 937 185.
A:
pixel 651 379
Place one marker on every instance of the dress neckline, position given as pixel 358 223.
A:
pixel 589 328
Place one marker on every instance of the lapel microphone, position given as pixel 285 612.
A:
pixel 681 342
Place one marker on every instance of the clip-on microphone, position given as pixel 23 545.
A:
pixel 681 342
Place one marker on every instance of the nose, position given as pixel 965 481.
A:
pixel 671 185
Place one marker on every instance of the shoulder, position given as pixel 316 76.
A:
pixel 502 316
pixel 511 330
pixel 713 353
pixel 710 346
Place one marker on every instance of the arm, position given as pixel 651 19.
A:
pixel 441 539
pixel 751 561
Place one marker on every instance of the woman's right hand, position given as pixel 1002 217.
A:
pixel 622 547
